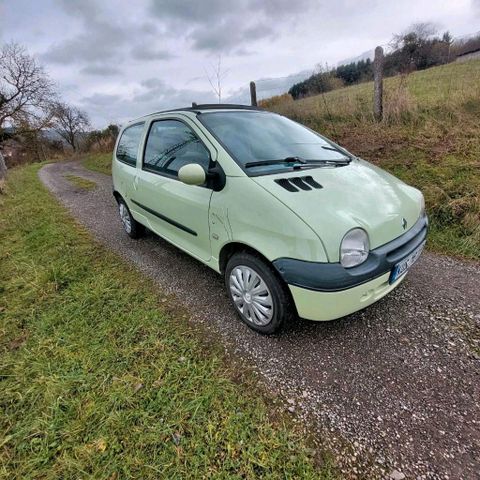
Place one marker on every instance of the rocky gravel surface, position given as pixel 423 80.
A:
pixel 393 390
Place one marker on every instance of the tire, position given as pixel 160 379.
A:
pixel 259 296
pixel 132 228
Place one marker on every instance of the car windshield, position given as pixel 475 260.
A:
pixel 263 141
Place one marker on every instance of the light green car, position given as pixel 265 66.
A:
pixel 296 224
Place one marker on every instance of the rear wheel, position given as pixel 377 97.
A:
pixel 260 298
pixel 130 225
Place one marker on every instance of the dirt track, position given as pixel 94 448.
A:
pixel 399 381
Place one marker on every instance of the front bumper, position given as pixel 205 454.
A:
pixel 325 291
pixel 333 277
pixel 322 306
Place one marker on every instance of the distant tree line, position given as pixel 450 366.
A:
pixel 418 48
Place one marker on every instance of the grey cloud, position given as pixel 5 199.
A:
pixel 219 25
pixel 101 70
pixel 152 83
pixel 103 39
pixel 192 11
pixel 100 99
pixel 100 41
pixel 149 27
pixel 153 95
pixel 156 92
pixel 227 36
pixel 87 9
pixel 280 8
pixel 476 7
pixel 207 11
pixel 146 52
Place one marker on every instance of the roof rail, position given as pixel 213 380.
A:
pixel 207 106
pixel 220 106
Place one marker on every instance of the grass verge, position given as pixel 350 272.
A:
pixel 81 182
pixel 99 162
pixel 99 381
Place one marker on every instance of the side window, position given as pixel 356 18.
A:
pixel 170 145
pixel 128 145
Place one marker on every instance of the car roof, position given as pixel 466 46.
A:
pixel 202 108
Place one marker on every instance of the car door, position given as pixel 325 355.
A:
pixel 172 209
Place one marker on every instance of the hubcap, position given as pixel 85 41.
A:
pixel 251 295
pixel 125 217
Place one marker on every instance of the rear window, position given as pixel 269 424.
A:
pixel 127 149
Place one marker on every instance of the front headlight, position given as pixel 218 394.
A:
pixel 354 248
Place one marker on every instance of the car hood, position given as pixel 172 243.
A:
pixel 355 195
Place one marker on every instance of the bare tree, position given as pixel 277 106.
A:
pixel 69 122
pixel 26 92
pixel 215 78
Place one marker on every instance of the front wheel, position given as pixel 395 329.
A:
pixel 260 298
pixel 130 225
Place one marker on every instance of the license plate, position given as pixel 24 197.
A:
pixel 402 267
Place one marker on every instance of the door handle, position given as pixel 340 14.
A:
pixel 135 182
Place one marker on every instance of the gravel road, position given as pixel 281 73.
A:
pixel 394 390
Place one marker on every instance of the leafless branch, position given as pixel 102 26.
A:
pixel 69 122
pixel 26 92
pixel 215 78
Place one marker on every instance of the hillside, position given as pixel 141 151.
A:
pixel 430 137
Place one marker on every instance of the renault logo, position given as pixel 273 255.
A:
pixel 404 223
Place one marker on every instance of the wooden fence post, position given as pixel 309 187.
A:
pixel 253 94
pixel 378 84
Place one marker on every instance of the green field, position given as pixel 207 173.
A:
pixel 430 138
pixel 99 380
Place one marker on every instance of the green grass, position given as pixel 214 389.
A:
pixel 99 380
pixel 99 162
pixel 81 182
pixel 430 138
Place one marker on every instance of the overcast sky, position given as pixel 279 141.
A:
pixel 119 59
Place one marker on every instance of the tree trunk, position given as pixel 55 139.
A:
pixel 3 173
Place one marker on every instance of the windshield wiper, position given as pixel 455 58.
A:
pixel 274 162
pixel 344 161
pixel 297 163
pixel 338 150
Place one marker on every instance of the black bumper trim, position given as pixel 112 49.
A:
pixel 332 277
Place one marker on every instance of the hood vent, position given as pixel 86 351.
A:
pixel 295 184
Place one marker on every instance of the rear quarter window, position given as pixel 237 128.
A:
pixel 127 148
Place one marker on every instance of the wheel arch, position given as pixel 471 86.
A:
pixel 117 196
pixel 229 249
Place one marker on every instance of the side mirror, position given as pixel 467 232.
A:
pixel 192 174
